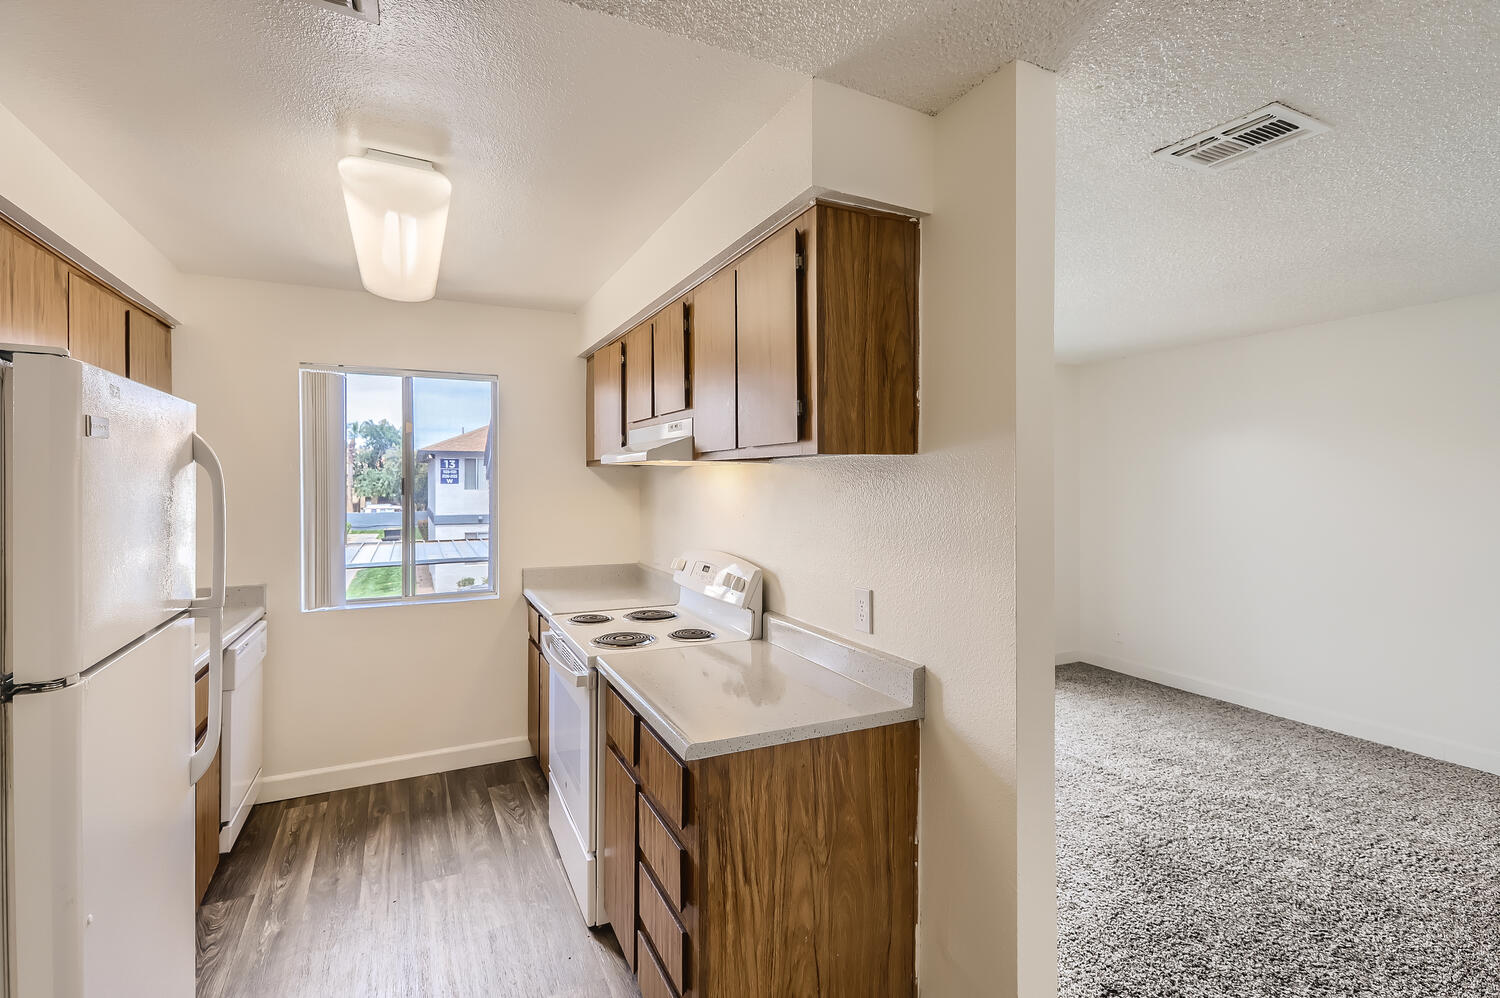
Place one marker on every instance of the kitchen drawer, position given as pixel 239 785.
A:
pixel 619 724
pixel 662 853
pixel 200 709
pixel 648 974
pixel 663 777
pixel 661 926
pixel 533 623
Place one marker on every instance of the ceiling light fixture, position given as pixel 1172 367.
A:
pixel 398 213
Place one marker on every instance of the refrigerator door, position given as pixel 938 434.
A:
pixel 102 833
pixel 102 494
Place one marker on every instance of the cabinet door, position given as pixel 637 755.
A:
pixel 606 400
pixel 206 827
pixel 669 366
pixel 638 387
pixel 33 292
pixel 767 341
pixel 96 325
pixel 715 401
pixel 534 698
pixel 618 846
pixel 148 350
pixel 544 741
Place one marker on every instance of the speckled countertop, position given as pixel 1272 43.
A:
pixel 243 606
pixel 579 588
pixel 717 699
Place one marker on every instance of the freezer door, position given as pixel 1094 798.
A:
pixel 101 500
pixel 102 828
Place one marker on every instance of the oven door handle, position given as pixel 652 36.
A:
pixel 562 663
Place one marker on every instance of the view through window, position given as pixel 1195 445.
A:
pixel 418 476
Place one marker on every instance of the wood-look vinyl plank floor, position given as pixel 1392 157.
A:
pixel 445 885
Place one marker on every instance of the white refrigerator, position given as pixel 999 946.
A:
pixel 99 479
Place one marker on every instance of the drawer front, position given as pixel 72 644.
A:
pixel 619 723
pixel 533 623
pixel 663 777
pixel 666 858
pixel 648 973
pixel 663 929
pixel 200 710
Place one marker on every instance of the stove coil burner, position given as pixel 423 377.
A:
pixel 623 639
pixel 692 634
pixel 589 618
pixel 645 615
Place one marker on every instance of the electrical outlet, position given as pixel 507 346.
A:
pixel 1118 638
pixel 863 616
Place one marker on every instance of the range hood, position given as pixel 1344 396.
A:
pixel 663 443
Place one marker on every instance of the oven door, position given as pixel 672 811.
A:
pixel 570 811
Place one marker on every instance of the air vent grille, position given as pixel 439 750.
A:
pixel 1257 132
pixel 365 10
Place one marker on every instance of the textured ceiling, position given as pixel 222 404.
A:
pixel 1399 204
pixel 922 55
pixel 571 134
pixel 215 128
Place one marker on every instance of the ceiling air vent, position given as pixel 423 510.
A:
pixel 365 10
pixel 1268 128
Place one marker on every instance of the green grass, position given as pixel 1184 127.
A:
pixel 372 583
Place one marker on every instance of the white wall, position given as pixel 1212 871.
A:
pixel 33 178
pixel 1305 522
pixel 936 536
pixel 353 687
pixel 1065 455
pixel 826 138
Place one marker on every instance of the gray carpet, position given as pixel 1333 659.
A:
pixel 1205 849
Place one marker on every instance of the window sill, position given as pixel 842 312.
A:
pixel 367 604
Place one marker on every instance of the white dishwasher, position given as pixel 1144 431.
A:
pixel 240 749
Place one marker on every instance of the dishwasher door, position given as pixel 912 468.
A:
pixel 244 685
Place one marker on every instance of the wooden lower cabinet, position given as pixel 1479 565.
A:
pixel 792 869
pixel 536 686
pixel 205 800
pixel 617 848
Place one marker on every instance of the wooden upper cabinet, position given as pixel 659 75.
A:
pixel 606 401
pixel 638 377
pixel 767 342
pixel 33 292
pixel 806 344
pixel 96 325
pixel 148 354
pixel 669 358
pixel 715 399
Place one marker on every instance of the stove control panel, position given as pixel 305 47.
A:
pixel 720 576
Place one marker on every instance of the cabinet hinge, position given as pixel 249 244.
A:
pixel 801 261
pixel 801 408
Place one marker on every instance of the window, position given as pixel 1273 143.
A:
pixel 397 486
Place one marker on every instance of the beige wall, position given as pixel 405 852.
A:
pixel 936 537
pixel 1304 522
pixel 355 687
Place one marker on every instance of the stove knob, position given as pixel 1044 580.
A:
pixel 737 583
pixel 678 564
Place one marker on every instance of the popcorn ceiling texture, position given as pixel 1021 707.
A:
pixel 922 55
pixel 214 128
pixel 1399 204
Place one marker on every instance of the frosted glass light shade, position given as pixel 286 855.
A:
pixel 398 214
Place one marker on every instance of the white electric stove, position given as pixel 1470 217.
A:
pixel 719 600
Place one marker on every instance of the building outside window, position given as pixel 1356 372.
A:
pixel 397 474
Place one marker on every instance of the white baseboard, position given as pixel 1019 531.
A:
pixel 396 767
pixel 1432 746
pixel 1068 657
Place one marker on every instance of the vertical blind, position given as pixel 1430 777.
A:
pixel 324 491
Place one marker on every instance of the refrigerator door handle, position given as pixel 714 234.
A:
pixel 212 607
